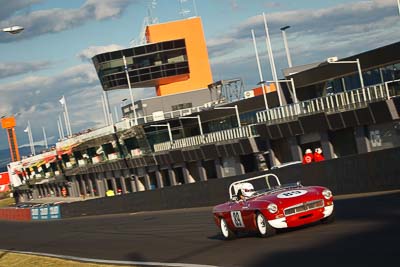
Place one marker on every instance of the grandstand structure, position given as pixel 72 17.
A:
pixel 192 142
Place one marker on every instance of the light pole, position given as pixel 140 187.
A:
pixel 335 60
pixel 289 59
pixel 165 125
pixel 13 29
pixel 198 120
pixel 236 111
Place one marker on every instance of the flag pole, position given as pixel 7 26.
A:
pixel 66 112
pixel 59 130
pixel 66 123
pixel 109 115
pixel 31 138
pixel 130 90
pixel 272 62
pixel 259 70
pixel 61 127
pixel 45 138
pixel 104 110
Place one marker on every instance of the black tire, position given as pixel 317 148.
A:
pixel 329 219
pixel 263 227
pixel 227 233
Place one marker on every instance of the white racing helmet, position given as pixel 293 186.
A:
pixel 247 189
pixel 318 150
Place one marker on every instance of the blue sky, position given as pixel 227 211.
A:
pixel 51 57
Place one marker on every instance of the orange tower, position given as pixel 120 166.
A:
pixel 9 124
pixel 191 30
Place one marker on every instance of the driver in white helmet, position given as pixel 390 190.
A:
pixel 245 190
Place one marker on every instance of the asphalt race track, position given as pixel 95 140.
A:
pixel 366 233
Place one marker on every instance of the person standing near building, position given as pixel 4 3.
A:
pixel 308 157
pixel 64 191
pixel 318 155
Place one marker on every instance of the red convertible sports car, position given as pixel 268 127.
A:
pixel 272 206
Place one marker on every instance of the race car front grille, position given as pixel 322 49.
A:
pixel 315 204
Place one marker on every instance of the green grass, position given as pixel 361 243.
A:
pixel 8 259
pixel 6 202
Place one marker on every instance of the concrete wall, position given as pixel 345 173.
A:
pixel 367 172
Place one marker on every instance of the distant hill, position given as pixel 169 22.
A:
pixel 5 157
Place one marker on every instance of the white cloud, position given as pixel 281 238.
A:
pixel 340 30
pixel 105 8
pixel 35 98
pixel 8 8
pixel 10 69
pixel 327 23
pixel 55 20
pixel 88 53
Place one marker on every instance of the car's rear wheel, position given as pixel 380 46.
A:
pixel 264 228
pixel 226 232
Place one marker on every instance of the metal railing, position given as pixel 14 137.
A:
pixel 80 138
pixel 128 123
pixel 225 135
pixel 166 115
pixel 329 104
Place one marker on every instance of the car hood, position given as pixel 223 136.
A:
pixel 292 196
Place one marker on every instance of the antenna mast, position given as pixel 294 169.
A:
pixel 184 8
pixel 148 20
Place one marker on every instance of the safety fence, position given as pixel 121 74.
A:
pixel 15 214
pixel 346 175
pixel 42 212
pixel 225 135
pixel 46 212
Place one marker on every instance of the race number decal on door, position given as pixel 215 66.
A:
pixel 237 219
pixel 292 193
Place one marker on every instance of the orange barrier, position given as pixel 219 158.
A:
pixel 15 214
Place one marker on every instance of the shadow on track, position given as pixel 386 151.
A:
pixel 376 246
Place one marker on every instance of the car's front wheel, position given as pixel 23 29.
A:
pixel 226 232
pixel 264 228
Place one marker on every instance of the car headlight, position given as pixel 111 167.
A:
pixel 327 194
pixel 272 208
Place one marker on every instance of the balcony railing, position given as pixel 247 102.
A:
pixel 166 115
pixel 225 135
pixel 332 103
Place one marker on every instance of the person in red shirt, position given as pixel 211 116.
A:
pixel 308 157
pixel 318 155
